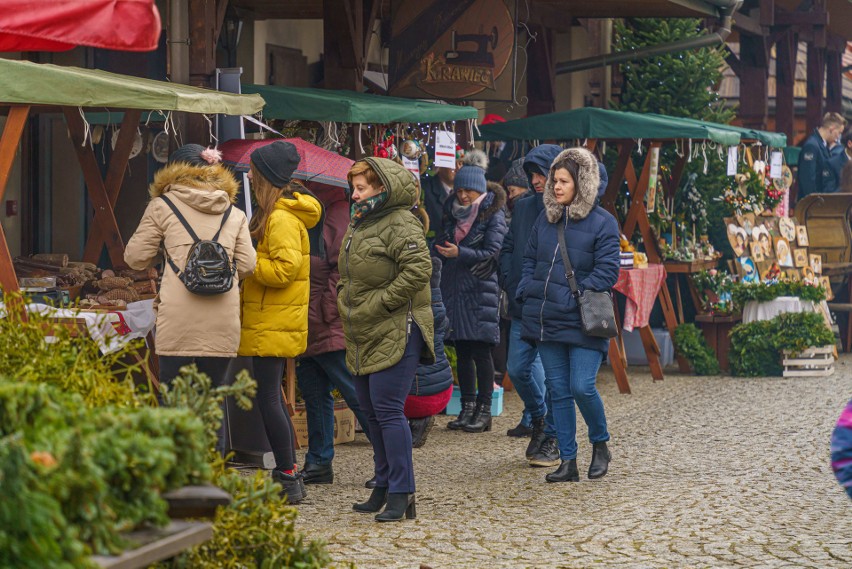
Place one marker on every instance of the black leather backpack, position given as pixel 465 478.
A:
pixel 208 269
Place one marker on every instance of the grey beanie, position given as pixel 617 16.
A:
pixel 516 176
pixel 277 162
pixel 189 153
pixel 471 178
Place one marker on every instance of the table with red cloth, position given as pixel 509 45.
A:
pixel 641 287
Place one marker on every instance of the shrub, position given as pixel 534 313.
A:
pixel 690 343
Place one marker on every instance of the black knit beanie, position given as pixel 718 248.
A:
pixel 189 153
pixel 277 162
pixel 516 175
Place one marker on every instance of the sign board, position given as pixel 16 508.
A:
pixel 412 166
pixel 445 149
pixel 733 158
pixel 775 165
pixel 453 49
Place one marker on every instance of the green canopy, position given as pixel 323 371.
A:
pixel 24 82
pixel 591 122
pixel 296 103
pixel 774 139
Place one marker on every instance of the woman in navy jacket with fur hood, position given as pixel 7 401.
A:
pixel 551 316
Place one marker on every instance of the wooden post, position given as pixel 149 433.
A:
pixel 12 132
pixel 115 175
pixel 540 75
pixel 343 44
pixel 785 72
pixel 637 216
pixel 834 81
pixel 815 84
pixel 97 191
pixel 754 72
pixel 625 149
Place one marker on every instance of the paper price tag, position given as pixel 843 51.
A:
pixel 445 149
pixel 775 165
pixel 412 165
pixel 733 158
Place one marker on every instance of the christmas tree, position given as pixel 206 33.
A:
pixel 680 84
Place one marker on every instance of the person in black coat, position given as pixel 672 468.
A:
pixel 550 313
pixel 433 383
pixel 474 226
pixel 816 174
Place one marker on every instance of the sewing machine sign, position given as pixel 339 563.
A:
pixel 453 49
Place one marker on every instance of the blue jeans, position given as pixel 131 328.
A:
pixel 571 372
pixel 317 377
pixel 527 375
pixel 382 396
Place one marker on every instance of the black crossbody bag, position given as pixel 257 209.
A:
pixel 596 310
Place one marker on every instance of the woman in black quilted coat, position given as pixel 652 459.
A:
pixel 474 226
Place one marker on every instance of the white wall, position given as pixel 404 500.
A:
pixel 305 35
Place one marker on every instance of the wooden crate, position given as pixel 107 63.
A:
pixel 813 362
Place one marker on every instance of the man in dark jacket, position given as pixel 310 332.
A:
pixel 524 364
pixel 816 175
pixel 436 189
pixel 841 162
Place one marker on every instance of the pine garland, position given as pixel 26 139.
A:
pixel 765 292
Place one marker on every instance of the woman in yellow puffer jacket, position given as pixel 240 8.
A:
pixel 275 298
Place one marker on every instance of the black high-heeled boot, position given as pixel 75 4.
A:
pixel 481 420
pixel 464 417
pixel 377 499
pixel 600 460
pixel 399 505
pixel 567 472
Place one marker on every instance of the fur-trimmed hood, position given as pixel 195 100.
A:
pixel 586 186
pixel 497 203
pixel 183 175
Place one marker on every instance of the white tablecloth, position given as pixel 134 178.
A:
pixel 754 311
pixel 106 328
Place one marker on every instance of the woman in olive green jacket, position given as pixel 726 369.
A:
pixel 385 304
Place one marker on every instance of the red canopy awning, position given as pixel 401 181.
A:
pixel 59 25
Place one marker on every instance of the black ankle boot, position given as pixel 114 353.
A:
pixel 291 486
pixel 464 417
pixel 371 483
pixel 567 472
pixel 377 499
pixel 536 438
pixel 481 420
pixel 420 429
pixel 318 473
pixel 600 460
pixel 520 431
pixel 399 505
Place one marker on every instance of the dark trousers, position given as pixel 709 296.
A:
pixel 268 373
pixel 476 370
pixel 317 376
pixel 215 368
pixel 382 398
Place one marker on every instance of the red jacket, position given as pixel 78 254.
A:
pixel 325 330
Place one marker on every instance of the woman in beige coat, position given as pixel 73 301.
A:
pixel 204 330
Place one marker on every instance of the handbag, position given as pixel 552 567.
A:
pixel 596 310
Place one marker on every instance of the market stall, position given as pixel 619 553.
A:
pixel 643 136
pixel 31 88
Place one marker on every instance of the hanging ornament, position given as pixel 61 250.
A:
pixel 393 153
pixel 412 149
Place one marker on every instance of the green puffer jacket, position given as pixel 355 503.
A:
pixel 384 278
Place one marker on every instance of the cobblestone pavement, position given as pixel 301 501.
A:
pixel 706 472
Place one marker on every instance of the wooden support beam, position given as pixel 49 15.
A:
pixel 12 132
pixel 96 189
pixel 677 174
pixel 637 203
pixel 785 75
pixel 746 24
pixel 754 56
pixel 343 63
pixel 115 175
pixel 834 81
pixel 815 84
pixel 540 73
pixel 767 13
